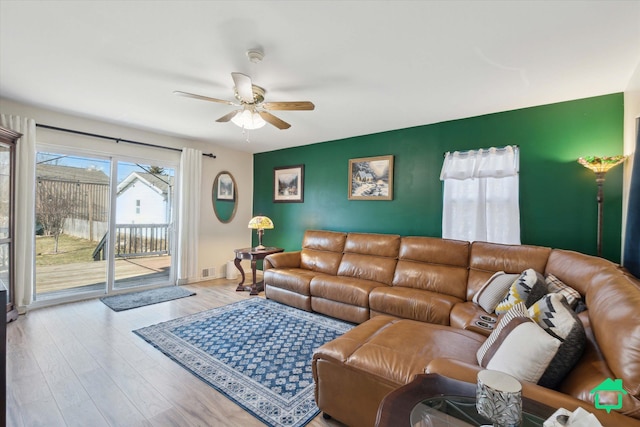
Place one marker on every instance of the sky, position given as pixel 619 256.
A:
pixel 124 168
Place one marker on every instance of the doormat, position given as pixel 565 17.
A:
pixel 257 352
pixel 140 299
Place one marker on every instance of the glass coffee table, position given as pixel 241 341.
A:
pixel 432 400
pixel 458 411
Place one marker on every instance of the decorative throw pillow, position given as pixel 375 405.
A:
pixel 518 346
pixel 494 290
pixel 528 288
pixel 555 316
pixel 555 285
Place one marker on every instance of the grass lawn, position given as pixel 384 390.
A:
pixel 70 250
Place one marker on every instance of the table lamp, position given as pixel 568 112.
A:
pixel 260 223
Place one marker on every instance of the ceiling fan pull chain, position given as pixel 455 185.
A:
pixel 245 134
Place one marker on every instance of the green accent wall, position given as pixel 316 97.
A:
pixel 557 195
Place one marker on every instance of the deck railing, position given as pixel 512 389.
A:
pixel 136 240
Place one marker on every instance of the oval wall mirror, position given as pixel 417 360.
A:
pixel 224 196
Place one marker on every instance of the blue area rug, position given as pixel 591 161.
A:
pixel 257 352
pixel 142 298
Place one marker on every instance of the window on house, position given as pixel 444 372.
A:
pixel 481 195
pixel 138 207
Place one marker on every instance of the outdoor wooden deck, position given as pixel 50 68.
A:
pixel 93 274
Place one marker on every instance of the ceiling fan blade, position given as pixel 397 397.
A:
pixel 201 97
pixel 271 119
pixel 298 105
pixel 228 117
pixel 243 87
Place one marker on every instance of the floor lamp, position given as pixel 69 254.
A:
pixel 600 165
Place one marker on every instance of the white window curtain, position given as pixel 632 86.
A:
pixel 24 208
pixel 189 215
pixel 481 197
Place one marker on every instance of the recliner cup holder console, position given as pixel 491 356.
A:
pixel 487 319
pixel 484 325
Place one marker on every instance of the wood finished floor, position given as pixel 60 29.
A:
pixel 79 364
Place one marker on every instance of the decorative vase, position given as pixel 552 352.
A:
pixel 499 398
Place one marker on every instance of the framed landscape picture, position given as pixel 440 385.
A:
pixel 288 184
pixel 371 178
pixel 225 187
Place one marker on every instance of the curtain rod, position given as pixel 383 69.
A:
pixel 117 140
pixel 498 148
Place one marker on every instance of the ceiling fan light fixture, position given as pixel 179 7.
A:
pixel 249 120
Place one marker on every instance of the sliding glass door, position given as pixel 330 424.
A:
pixel 102 225
pixel 72 217
pixel 143 228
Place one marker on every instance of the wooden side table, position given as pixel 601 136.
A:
pixel 254 255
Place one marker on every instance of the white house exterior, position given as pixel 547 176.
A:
pixel 144 198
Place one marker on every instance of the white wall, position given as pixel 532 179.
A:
pixel 217 241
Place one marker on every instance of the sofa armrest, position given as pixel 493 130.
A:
pixel 466 372
pixel 282 260
pixel 470 316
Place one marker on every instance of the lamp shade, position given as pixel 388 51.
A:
pixel 260 223
pixel 248 119
pixel 499 398
pixel 600 164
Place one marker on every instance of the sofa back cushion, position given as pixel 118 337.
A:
pixel 488 258
pixel 613 302
pixel 322 250
pixel 576 269
pixel 433 264
pixel 384 245
pixel 370 256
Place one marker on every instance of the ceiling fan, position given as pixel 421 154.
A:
pixel 253 112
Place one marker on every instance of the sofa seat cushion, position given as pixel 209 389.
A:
pixel 348 290
pixel 397 349
pixel 292 279
pixel 409 303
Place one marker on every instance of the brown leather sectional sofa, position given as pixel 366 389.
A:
pixel 412 298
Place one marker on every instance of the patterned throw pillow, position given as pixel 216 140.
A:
pixel 518 346
pixel 555 285
pixel 555 316
pixel 528 288
pixel 494 290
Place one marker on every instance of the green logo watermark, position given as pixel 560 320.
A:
pixel 608 386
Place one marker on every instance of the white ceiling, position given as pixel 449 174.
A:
pixel 368 66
